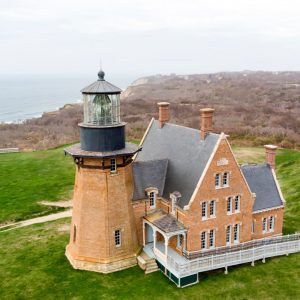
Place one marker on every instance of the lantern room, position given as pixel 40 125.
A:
pixel 101 101
pixel 102 129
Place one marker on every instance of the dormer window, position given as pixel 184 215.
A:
pixel 113 165
pixel 152 199
pixel 152 193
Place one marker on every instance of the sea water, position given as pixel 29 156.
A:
pixel 27 96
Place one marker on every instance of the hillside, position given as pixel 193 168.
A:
pixel 255 108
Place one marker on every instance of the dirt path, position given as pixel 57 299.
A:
pixel 62 203
pixel 52 217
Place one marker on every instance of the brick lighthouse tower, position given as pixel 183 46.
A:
pixel 103 233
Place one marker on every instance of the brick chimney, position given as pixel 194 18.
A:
pixel 206 121
pixel 164 113
pixel 271 155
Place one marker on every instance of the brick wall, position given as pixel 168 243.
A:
pixel 102 204
pixel 208 192
pixel 258 223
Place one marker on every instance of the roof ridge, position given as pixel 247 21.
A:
pixel 194 129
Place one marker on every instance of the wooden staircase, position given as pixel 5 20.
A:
pixel 147 263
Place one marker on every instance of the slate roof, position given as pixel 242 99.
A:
pixel 261 182
pixel 165 222
pixel 147 174
pixel 187 156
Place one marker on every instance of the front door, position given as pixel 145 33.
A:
pixel 149 234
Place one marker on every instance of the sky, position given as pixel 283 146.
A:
pixel 148 37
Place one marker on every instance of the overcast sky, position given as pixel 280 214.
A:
pixel 148 37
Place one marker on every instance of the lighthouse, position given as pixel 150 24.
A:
pixel 103 234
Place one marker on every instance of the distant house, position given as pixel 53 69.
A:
pixel 180 196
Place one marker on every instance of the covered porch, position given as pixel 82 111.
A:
pixel 164 235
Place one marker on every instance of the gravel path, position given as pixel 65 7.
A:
pixel 52 217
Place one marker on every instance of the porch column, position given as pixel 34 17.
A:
pixel 184 242
pixel 166 245
pixel 144 238
pixel 154 238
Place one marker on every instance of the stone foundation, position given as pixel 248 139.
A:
pixel 102 267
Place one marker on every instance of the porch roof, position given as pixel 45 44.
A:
pixel 165 222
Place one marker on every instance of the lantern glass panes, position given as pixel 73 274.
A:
pixel 101 109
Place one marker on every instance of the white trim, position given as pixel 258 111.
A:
pixel 237 164
pixel 144 136
pixel 267 209
pixel 278 187
pixel 187 207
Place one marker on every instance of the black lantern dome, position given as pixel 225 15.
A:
pixel 102 129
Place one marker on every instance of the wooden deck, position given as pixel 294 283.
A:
pixel 181 267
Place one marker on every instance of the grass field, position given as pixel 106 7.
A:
pixel 28 178
pixel 33 265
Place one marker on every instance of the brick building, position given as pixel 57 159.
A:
pixel 179 194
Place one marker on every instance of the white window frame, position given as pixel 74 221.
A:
pixel 152 199
pixel 272 223
pixel 212 208
pixel 203 234
pixel 228 235
pixel 225 180
pixel 237 203
pixel 204 210
pixel 264 225
pixel 212 238
pixel 229 201
pixel 217 180
pixel 252 227
pixel 118 238
pixel 236 234
pixel 113 165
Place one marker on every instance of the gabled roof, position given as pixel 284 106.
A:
pixel 261 181
pixel 187 156
pixel 147 174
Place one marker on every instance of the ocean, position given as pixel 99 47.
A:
pixel 27 96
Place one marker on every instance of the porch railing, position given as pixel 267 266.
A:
pixel 242 246
pixel 250 253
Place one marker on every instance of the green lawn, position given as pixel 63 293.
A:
pixel 33 266
pixel 27 178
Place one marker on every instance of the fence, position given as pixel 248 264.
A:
pixel 249 252
pixel 9 150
